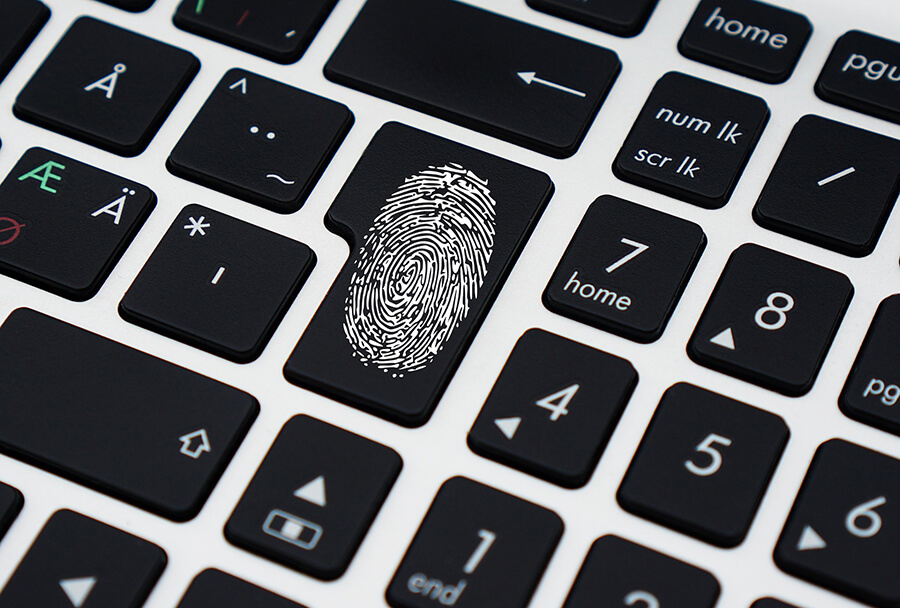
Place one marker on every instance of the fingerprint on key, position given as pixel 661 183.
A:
pixel 422 262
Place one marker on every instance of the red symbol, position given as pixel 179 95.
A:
pixel 244 16
pixel 9 230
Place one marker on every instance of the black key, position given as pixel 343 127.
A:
pixel 842 532
pixel 314 497
pixel 704 464
pixel 20 22
pixel 617 572
pixel 553 408
pixel 861 73
pixel 770 603
pixel 135 6
pixel 619 17
pixel 64 224
pixel 215 588
pixel 833 185
pixel 476 547
pixel 692 140
pixel 164 451
pixel 750 38
pixel 11 502
pixel 625 269
pixel 261 141
pixel 510 80
pixel 279 30
pixel 239 279
pixel 107 86
pixel 771 319
pixel 78 561
pixel 435 228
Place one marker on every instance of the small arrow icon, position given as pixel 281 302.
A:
pixel 531 77
pixel 810 540
pixel 78 589
pixel 508 426
pixel 195 444
pixel 242 83
pixel 724 339
pixel 313 492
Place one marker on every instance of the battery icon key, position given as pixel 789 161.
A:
pixel 292 529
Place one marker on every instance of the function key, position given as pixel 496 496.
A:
pixel 692 140
pixel 20 22
pixel 862 73
pixel 553 408
pixel 11 502
pixel 107 86
pixel 750 38
pixel 476 547
pixel 704 464
pixel 842 532
pixel 833 185
pixel 771 319
pixel 314 497
pixel 619 17
pixel 261 141
pixel 625 269
pixel 215 588
pixel 65 224
pixel 77 561
pixel 135 6
pixel 530 86
pixel 617 572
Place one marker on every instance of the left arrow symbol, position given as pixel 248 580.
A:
pixel 78 589
pixel 531 77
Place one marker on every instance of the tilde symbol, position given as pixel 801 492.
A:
pixel 108 83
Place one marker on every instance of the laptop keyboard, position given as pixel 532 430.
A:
pixel 421 303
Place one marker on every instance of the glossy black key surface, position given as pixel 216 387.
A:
pixel 750 38
pixel 692 140
pixel 862 73
pixel 617 572
pixel 78 561
pixel 109 87
pixel 553 408
pixel 619 17
pixel 833 185
pixel 65 224
pixel 842 532
pixel 434 228
pixel 771 319
pixel 476 547
pixel 508 79
pixel 261 141
pixel 20 22
pixel 704 464
pixel 11 502
pixel 135 6
pixel 214 588
pixel 279 30
pixel 625 269
pixel 164 451
pixel 314 497
pixel 239 280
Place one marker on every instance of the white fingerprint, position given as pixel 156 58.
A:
pixel 422 262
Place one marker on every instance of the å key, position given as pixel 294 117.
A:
pixel 434 228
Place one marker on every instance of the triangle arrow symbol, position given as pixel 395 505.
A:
pixel 724 339
pixel 313 492
pixel 242 83
pixel 528 77
pixel 78 589
pixel 810 540
pixel 508 426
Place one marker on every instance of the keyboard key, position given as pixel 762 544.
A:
pixel 434 228
pixel 621 573
pixel 510 80
pixel 261 141
pixel 770 603
pixel 11 502
pixel 692 140
pixel 64 224
pixel 625 269
pixel 107 86
pixel 135 6
pixel 78 561
pixel 476 547
pixel 771 319
pixel 861 73
pixel 215 588
pixel 834 196
pixel 746 37
pixel 619 17
pixel 314 497
pixel 553 408
pixel 704 464
pixel 20 22
pixel 842 532
pixel 239 279
pixel 279 30
pixel 170 444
